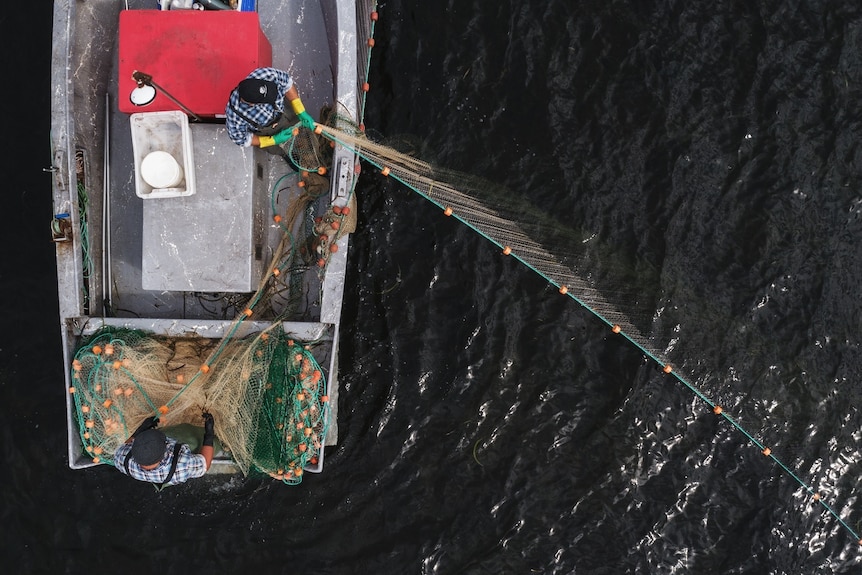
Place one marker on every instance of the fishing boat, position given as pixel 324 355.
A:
pixel 195 274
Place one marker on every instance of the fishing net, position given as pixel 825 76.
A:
pixel 266 393
pixel 606 283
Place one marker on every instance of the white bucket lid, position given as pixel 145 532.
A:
pixel 161 170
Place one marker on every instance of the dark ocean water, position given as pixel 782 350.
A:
pixel 487 424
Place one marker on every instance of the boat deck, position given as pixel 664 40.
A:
pixel 133 277
pixel 137 224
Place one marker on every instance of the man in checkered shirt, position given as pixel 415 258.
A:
pixel 255 113
pixel 149 455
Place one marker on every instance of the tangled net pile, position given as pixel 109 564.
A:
pixel 266 393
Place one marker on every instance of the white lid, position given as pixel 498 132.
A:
pixel 161 170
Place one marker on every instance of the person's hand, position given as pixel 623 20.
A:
pixel 304 117
pixel 276 139
pixel 149 423
pixel 209 433
pixel 282 136
pixel 306 120
pixel 209 424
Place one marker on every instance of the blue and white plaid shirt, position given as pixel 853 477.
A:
pixel 244 119
pixel 189 465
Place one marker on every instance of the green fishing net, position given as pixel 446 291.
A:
pixel 266 393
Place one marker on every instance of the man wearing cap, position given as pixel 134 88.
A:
pixel 149 455
pixel 255 111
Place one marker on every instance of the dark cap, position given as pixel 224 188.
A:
pixel 258 91
pixel 149 447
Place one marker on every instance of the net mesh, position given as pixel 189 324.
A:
pixel 610 290
pixel 266 393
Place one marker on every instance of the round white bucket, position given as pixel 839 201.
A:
pixel 161 170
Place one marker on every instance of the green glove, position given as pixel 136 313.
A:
pixel 306 120
pixel 276 139
pixel 304 117
pixel 283 136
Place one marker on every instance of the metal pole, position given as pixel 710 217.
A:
pixel 142 79
pixel 106 213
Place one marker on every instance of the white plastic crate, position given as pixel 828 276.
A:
pixel 167 132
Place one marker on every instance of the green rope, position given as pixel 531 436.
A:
pixel 87 265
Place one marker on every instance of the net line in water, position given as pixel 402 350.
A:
pixel 518 232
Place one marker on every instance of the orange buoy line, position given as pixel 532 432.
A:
pixel 667 368
pixel 766 451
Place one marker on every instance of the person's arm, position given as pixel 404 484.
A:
pixel 305 118
pixel 292 94
pixel 149 423
pixel 207 452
